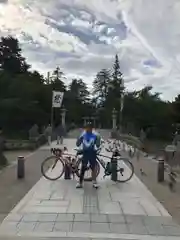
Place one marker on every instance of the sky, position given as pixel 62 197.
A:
pixel 82 37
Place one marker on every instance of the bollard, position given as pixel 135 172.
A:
pixel 20 167
pixel 67 172
pixel 160 176
pixel 114 169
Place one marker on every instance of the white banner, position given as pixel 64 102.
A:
pixel 57 98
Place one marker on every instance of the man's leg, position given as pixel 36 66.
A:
pixel 93 164
pixel 82 172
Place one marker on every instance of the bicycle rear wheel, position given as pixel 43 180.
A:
pixel 87 175
pixel 125 169
pixel 52 168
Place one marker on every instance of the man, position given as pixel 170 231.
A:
pixel 89 141
pixel 48 133
pixel 60 131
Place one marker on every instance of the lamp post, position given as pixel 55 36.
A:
pixel 63 117
pixel 114 119
pixel 121 110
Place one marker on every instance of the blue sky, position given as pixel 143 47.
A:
pixel 83 36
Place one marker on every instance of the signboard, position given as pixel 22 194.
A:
pixel 57 98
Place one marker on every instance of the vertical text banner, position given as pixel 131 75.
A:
pixel 57 98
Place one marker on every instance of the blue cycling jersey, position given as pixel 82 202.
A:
pixel 88 141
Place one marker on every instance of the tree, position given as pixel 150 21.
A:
pixel 26 97
pixel 115 88
pixel 56 80
pixel 78 90
pixel 101 84
pixel 11 59
pixel 77 100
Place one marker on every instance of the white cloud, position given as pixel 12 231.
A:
pixel 83 37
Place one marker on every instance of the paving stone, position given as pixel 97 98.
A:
pixel 81 227
pixel 71 238
pixel 172 230
pixel 82 218
pixel 68 238
pixel 54 203
pixel 116 218
pixel 101 218
pixel 75 208
pixel 156 230
pixel 47 217
pixel 65 217
pixel 167 221
pixel 110 208
pixel 48 210
pixel 63 226
pixel 30 217
pixel 26 226
pixel 14 217
pixel 90 209
pixel 100 227
pixel 9 226
pixel 137 229
pixel 107 239
pixel 134 219
pixel 133 208
pixel 44 226
pixel 118 228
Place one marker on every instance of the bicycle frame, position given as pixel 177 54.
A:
pixel 101 161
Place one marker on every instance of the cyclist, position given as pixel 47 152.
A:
pixel 89 141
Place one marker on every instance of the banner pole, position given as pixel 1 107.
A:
pixel 52 111
pixel 52 117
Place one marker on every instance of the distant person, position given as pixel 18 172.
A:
pixel 143 141
pixel 60 133
pixel 176 142
pixel 2 140
pixel 48 133
pixel 3 160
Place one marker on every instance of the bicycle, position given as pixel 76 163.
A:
pixel 74 163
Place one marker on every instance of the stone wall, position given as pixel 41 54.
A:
pixel 31 144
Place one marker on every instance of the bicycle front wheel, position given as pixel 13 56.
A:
pixel 125 169
pixel 52 168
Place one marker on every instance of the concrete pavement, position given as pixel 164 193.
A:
pixel 114 211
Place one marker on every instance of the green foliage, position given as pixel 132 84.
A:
pixel 26 98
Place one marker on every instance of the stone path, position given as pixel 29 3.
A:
pixel 114 211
